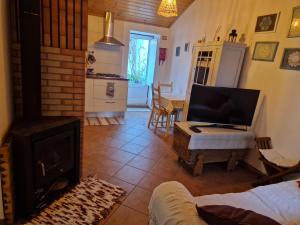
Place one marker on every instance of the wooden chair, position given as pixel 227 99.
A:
pixel 158 113
pixel 275 173
pixel 166 87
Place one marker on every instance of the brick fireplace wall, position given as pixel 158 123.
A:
pixel 63 82
pixel 63 46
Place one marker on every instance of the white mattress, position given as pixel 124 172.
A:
pixel 172 204
pixel 217 138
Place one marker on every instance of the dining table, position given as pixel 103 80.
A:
pixel 172 103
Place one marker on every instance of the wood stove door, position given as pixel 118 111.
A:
pixel 53 157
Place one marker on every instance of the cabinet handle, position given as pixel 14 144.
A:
pixel 110 102
pixel 43 168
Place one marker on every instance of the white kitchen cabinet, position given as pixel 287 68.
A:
pixel 89 95
pixel 99 101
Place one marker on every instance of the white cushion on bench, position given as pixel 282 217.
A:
pixel 217 138
pixel 276 158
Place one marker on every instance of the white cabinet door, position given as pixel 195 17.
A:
pixel 89 95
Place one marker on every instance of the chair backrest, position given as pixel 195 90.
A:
pixel 263 143
pixel 166 87
pixel 156 97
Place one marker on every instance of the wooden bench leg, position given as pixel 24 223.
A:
pixel 232 161
pixel 198 169
pixel 179 160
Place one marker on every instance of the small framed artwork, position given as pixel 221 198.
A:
pixel 177 51
pixel 265 51
pixel 291 59
pixel 187 47
pixel 267 23
pixel 295 24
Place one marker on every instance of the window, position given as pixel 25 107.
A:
pixel 138 58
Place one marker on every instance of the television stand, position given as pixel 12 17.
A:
pixel 216 125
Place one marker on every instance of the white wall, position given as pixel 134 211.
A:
pixel 114 60
pixel 5 90
pixel 279 117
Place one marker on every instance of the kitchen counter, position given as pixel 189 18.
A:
pixel 94 76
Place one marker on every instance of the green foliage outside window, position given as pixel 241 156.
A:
pixel 137 61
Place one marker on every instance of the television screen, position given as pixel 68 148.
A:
pixel 220 105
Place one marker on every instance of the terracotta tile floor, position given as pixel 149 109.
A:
pixel 138 160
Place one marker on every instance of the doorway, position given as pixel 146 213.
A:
pixel 141 67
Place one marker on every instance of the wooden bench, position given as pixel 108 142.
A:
pixel 196 158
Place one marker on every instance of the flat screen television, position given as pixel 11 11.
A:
pixel 221 105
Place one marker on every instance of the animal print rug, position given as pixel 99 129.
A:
pixel 86 204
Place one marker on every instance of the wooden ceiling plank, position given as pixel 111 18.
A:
pixel 141 11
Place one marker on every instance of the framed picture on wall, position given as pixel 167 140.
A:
pixel 291 59
pixel 267 23
pixel 265 51
pixel 187 47
pixel 295 24
pixel 177 51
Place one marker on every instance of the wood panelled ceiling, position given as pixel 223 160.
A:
pixel 140 11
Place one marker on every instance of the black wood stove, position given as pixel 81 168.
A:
pixel 44 152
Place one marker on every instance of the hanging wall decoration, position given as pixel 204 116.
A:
pixel 295 24
pixel 265 51
pixel 267 23
pixel 90 60
pixel 291 59
pixel 177 51
pixel 162 55
pixel 187 47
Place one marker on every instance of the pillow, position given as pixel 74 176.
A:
pixel 228 215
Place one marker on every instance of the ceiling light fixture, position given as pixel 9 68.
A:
pixel 167 8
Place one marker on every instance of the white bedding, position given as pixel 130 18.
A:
pixel 172 204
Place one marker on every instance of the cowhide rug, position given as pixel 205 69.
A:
pixel 86 204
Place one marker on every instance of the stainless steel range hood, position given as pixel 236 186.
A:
pixel 108 38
